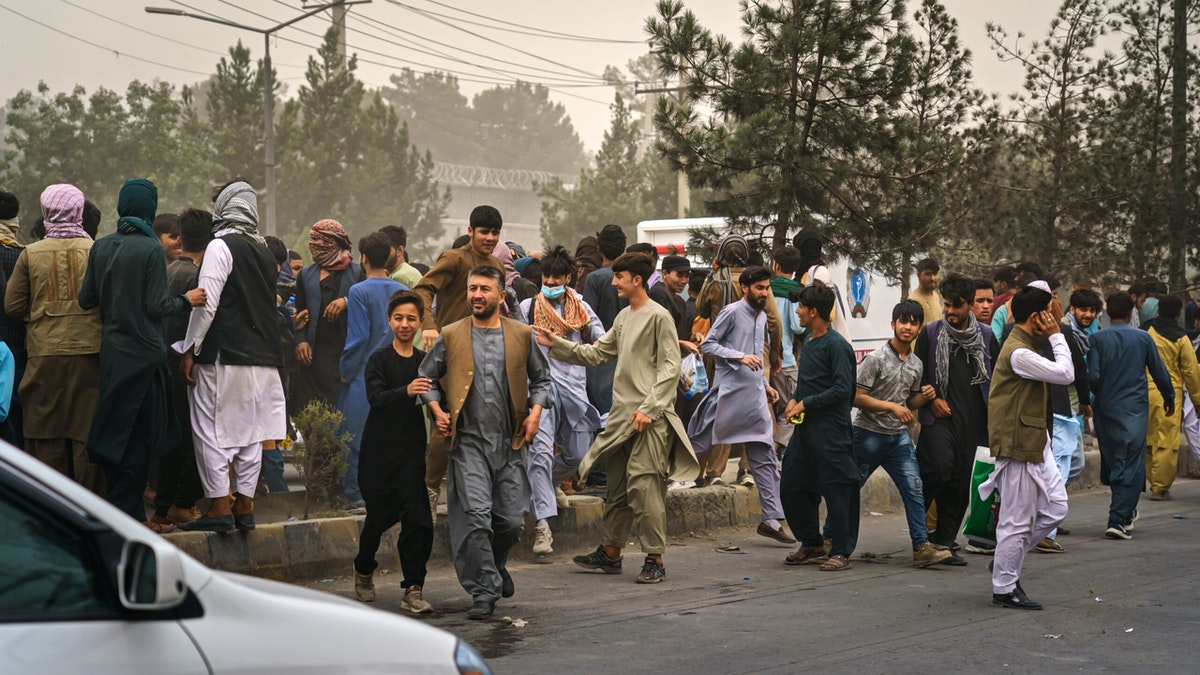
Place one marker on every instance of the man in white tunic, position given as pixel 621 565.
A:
pixel 231 357
pixel 1033 497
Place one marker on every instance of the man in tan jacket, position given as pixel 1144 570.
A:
pixel 491 383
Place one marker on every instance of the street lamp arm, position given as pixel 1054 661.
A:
pixel 211 19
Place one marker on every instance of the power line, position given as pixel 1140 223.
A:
pixel 574 80
pixel 536 32
pixel 143 31
pixel 431 17
pixel 118 53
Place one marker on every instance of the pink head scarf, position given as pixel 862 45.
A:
pixel 62 209
pixel 504 254
pixel 329 245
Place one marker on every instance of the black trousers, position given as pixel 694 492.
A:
pixel 806 478
pixel 946 464
pixel 408 506
pixel 178 477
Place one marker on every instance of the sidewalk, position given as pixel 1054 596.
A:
pixel 300 550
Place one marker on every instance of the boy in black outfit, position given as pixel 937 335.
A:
pixel 391 469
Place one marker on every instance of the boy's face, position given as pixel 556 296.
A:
pixel 807 315
pixel 982 307
pixel 626 284
pixel 553 280
pixel 483 239
pixel 405 322
pixel 297 265
pixel 905 331
pixel 172 246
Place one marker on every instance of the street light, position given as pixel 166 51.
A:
pixel 268 89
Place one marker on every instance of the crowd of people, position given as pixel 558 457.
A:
pixel 163 362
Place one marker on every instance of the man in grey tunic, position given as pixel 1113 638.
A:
pixel 491 383
pixel 738 407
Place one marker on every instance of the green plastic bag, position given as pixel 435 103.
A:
pixel 982 514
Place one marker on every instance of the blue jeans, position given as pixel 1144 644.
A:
pixel 896 454
pixel 272 471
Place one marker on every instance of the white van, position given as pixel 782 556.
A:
pixel 868 296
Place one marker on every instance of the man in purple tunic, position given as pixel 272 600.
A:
pixel 738 407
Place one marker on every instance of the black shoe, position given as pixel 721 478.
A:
pixel 1014 600
pixel 507 588
pixel 596 560
pixel 955 560
pixel 244 522
pixel 210 524
pixel 481 609
pixel 652 572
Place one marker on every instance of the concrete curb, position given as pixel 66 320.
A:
pixel 312 549
pixel 324 547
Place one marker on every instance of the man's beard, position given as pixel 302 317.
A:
pixel 757 303
pixel 485 312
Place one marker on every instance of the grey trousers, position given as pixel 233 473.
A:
pixel 486 508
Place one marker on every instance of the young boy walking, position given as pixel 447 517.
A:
pixel 391 467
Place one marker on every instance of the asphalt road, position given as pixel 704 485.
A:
pixel 1131 606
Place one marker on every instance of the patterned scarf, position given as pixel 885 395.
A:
pixel 62 209
pixel 574 315
pixel 236 209
pixel 969 339
pixel 329 245
pixel 8 233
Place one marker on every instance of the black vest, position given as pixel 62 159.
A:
pixel 245 329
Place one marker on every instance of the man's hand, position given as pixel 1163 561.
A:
pixel 197 296
pixel 304 354
pixel 334 309
pixel 529 427
pixel 794 408
pixel 301 319
pixel 639 421
pixel 419 385
pixel 902 413
pixel 928 393
pixel 1047 324
pixel 185 367
pixel 776 367
pixel 689 347
pixel 941 409
pixel 1169 408
pixel 429 336
pixel 1086 411
pixel 544 337
pixel 772 395
pixel 751 361
pixel 441 419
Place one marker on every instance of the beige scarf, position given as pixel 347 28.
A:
pixel 8 233
pixel 574 316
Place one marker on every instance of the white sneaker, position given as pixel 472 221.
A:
pixel 543 541
pixel 745 479
pixel 679 485
pixel 560 498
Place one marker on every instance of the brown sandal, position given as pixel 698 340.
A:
pixel 159 528
pixel 805 555
pixel 836 563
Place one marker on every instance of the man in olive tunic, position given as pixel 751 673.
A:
pixel 487 489
pixel 126 278
pixel 644 443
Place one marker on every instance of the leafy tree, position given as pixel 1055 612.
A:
pixel 353 162
pixel 437 114
pixel 778 122
pixel 620 188
pixel 233 104
pixel 520 127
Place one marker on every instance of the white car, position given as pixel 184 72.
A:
pixel 86 589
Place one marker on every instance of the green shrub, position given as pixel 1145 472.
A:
pixel 321 457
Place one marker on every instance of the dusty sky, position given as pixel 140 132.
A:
pixel 30 52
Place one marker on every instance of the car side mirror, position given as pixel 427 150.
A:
pixel 150 576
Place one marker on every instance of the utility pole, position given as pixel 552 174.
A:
pixel 683 200
pixel 1178 214
pixel 339 22
pixel 268 191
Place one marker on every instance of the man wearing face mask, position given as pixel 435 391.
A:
pixel 958 352
pixel 572 422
